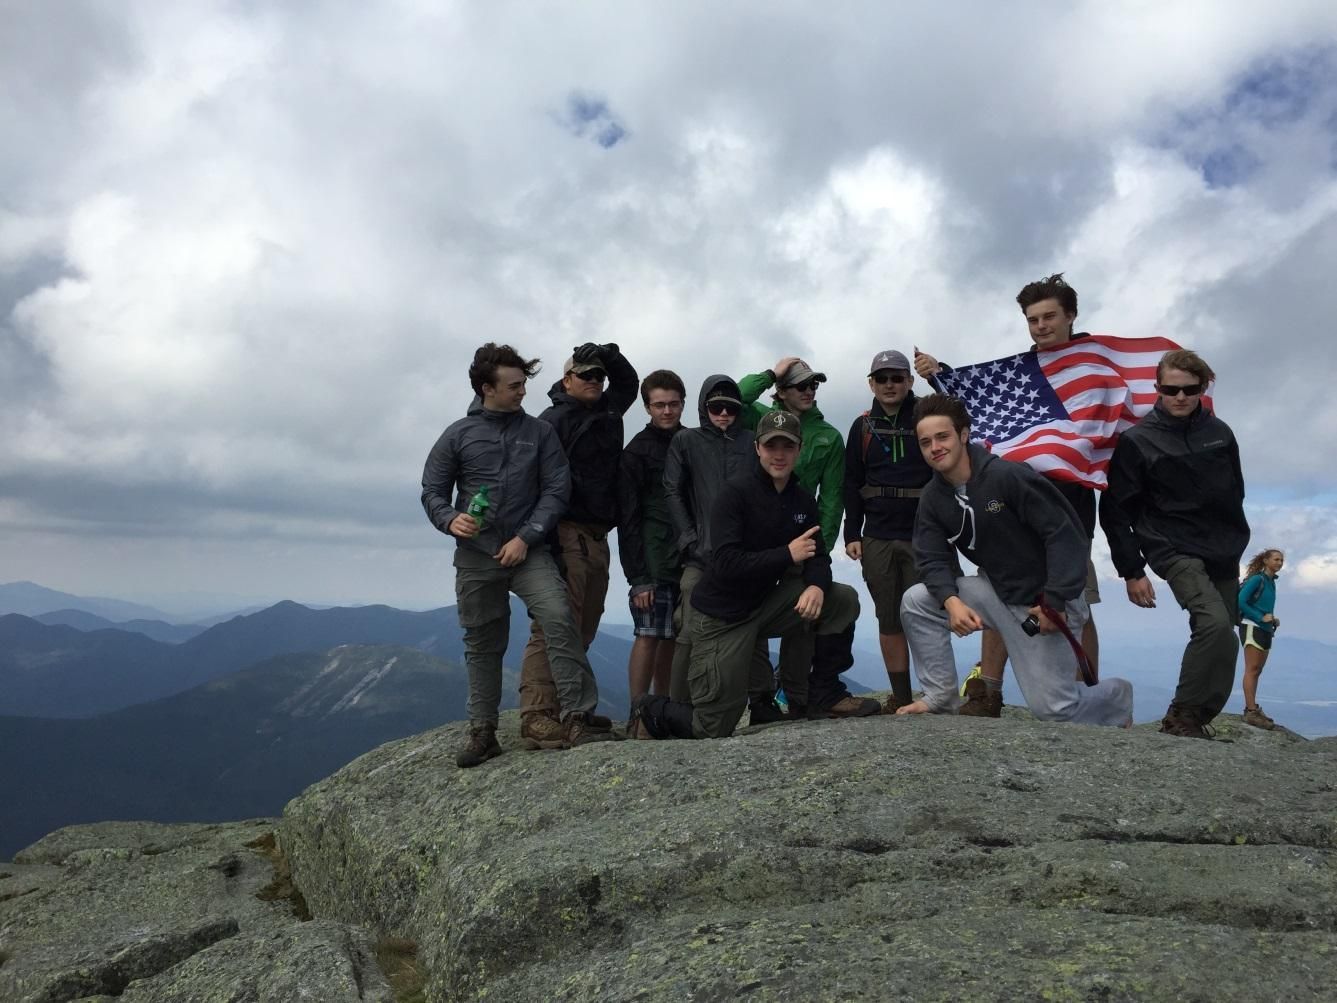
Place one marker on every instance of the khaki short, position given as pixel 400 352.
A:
pixel 889 570
pixel 1092 594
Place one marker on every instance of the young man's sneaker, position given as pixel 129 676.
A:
pixel 981 701
pixel 1183 722
pixel 541 731
pixel 1256 717
pixel 577 731
pixel 479 747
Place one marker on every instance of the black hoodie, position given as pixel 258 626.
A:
pixel 699 461
pixel 1013 524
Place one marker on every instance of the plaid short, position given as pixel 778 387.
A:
pixel 657 621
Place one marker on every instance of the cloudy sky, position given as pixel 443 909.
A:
pixel 246 250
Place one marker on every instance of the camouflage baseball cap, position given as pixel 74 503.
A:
pixel 775 423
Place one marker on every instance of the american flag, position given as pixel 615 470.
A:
pixel 1061 409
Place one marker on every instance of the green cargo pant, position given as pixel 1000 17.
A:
pixel 481 592
pixel 684 618
pixel 723 652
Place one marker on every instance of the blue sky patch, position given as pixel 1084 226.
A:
pixel 589 117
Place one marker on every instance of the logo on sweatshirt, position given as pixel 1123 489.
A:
pixel 800 517
pixel 994 507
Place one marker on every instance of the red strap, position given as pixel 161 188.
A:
pixel 1083 663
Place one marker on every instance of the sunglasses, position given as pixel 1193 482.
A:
pixel 882 379
pixel 723 407
pixel 807 386
pixel 1191 390
pixel 592 375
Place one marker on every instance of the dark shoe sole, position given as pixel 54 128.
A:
pixel 537 745
pixel 468 762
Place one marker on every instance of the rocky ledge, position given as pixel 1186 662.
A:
pixel 927 858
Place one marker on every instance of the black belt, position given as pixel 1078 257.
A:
pixel 873 491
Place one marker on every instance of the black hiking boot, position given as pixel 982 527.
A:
pixel 764 710
pixel 479 748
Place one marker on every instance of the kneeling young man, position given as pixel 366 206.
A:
pixel 769 576
pixel 1031 553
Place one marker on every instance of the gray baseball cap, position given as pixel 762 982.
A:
pixel 775 423
pixel 800 372
pixel 889 359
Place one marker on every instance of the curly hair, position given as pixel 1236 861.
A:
pixel 490 357
pixel 1257 560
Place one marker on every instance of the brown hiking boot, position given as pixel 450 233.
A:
pixel 1256 717
pixel 480 747
pixel 981 701
pixel 1183 722
pixel 578 731
pixel 852 706
pixel 893 703
pixel 542 731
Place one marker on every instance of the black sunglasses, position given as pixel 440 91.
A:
pixel 1191 390
pixel 882 379
pixel 723 407
pixel 804 387
pixel 592 375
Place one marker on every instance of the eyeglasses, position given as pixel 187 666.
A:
pixel 723 407
pixel 665 406
pixel 591 375
pixel 807 386
pixel 1191 390
pixel 882 379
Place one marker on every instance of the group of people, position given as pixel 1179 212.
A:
pixel 725 532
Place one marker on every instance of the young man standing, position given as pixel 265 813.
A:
pixel 1175 501
pixel 1027 543
pixel 647 543
pixel 885 473
pixel 1050 308
pixel 519 460
pixel 699 462
pixel 820 470
pixel 769 573
pixel 588 421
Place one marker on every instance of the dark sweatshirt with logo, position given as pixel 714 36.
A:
pixel 1012 523
pixel 751 526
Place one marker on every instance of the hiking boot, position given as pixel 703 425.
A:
pixel 480 747
pixel 1256 717
pixel 577 731
pixel 981 701
pixel 765 711
pixel 598 722
pixel 893 703
pixel 1183 722
pixel 849 706
pixel 542 731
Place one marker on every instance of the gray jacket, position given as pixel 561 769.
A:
pixel 520 460
pixel 699 461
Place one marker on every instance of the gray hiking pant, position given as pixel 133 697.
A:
pixel 723 653
pixel 481 592
pixel 1207 671
pixel 1044 666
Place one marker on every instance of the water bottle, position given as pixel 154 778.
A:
pixel 478 506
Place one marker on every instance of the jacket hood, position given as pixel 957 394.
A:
pixel 1159 416
pixel 714 385
pixel 476 410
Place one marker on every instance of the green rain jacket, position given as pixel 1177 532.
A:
pixel 821 460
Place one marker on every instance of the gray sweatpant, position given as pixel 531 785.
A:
pixel 1044 666
pixel 481 592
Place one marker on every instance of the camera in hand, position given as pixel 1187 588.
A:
pixel 1031 625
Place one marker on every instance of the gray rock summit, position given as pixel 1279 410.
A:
pixel 883 858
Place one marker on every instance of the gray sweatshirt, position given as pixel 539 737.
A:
pixel 520 460
pixel 1011 522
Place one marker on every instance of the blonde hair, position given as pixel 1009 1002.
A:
pixel 1257 560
